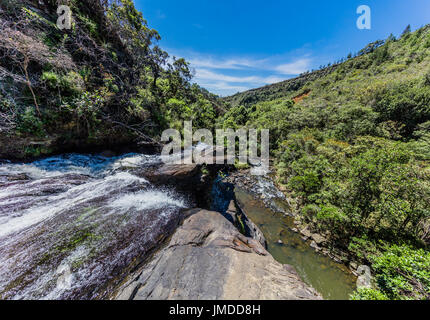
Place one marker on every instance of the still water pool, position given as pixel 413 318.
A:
pixel 334 281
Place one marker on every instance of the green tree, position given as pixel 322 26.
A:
pixel 407 31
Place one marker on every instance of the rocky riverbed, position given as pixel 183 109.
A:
pixel 207 258
pixel 264 189
pixel 71 227
pixel 77 226
pixel 265 212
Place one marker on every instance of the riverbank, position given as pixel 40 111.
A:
pixel 272 214
pixel 278 200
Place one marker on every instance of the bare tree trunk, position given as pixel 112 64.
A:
pixel 24 67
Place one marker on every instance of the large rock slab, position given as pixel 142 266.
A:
pixel 174 174
pixel 251 229
pixel 208 259
pixel 182 176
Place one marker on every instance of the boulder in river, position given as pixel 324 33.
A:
pixel 306 233
pixel 319 239
pixel 206 259
pixel 231 213
pixel 173 174
pixel 251 229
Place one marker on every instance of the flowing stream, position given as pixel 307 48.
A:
pixel 333 280
pixel 267 208
pixel 71 226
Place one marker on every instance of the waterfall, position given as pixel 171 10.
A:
pixel 71 225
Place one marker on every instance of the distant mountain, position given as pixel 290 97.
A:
pixel 276 90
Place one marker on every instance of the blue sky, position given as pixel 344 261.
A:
pixel 235 45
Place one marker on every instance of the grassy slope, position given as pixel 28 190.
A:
pixel 277 90
pixel 403 65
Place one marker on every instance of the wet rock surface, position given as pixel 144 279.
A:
pixel 224 201
pixel 250 228
pixel 207 258
pixel 77 226
pixel 73 226
pixel 263 188
pixel 182 176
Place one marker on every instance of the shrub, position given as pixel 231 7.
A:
pixel 427 79
pixel 381 55
pixel 71 83
pixel 51 79
pixel 403 272
pixel 368 294
pixel 30 123
pixel 407 103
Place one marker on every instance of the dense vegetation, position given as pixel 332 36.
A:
pixel 352 146
pixel 101 83
pixel 351 141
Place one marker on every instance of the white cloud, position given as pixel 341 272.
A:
pixel 273 79
pixel 226 86
pixel 203 74
pixel 293 68
pixel 223 88
pixel 230 64
pixel 226 76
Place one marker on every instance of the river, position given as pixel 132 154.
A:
pixel 333 280
pixel 73 226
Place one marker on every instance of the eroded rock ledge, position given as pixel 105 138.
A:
pixel 207 258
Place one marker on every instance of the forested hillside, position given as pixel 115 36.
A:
pixel 104 82
pixel 351 142
pixel 352 147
